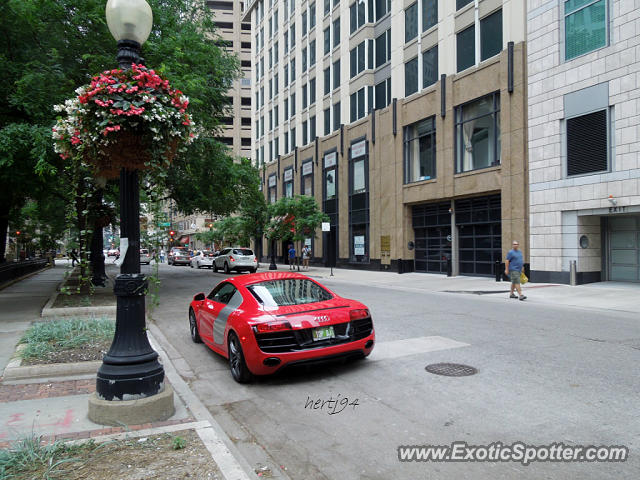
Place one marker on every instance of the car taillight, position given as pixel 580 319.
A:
pixel 272 327
pixel 232 259
pixel 255 259
pixel 359 313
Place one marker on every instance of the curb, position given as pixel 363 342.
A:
pixel 231 463
pixel 109 311
pixel 50 370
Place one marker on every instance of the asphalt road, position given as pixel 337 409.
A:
pixel 545 375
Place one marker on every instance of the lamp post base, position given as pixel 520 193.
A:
pixel 156 408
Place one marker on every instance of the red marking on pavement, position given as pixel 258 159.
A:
pixel 15 419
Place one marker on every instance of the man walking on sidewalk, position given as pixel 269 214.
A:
pixel 513 269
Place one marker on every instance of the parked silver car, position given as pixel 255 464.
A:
pixel 202 258
pixel 145 256
pixel 238 259
pixel 179 256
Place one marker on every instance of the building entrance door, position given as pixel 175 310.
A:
pixel 432 233
pixel 624 249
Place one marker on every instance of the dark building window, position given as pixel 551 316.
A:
pixel 478 134
pixel 336 74
pixel 245 122
pixel 336 116
pixel 327 80
pixel 411 22
pixel 420 151
pixel 358 59
pixel 411 77
pixel 466 46
pixel 491 35
pixel 462 3
pixel 383 48
pixel 336 33
pixel 383 93
pixel 382 8
pixel 430 67
pixel 429 14
pixel 357 105
pixel 585 26
pixel 327 121
pixel 225 25
pixel 587 150
pixel 246 142
pixel 245 45
pixel 357 15
pixel 327 40
pixel 245 101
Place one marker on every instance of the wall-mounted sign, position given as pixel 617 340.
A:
pixel 288 174
pixel 272 181
pixel 330 159
pixel 326 227
pixel 307 168
pixel 359 149
pixel 385 244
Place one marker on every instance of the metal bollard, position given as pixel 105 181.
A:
pixel 573 274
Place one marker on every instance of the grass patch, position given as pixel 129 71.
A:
pixel 45 338
pixel 28 456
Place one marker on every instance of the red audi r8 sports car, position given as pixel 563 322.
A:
pixel 265 321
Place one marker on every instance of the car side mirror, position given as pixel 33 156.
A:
pixel 198 297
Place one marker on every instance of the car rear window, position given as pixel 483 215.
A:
pixel 289 291
pixel 144 251
pixel 242 251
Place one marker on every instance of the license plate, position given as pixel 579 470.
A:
pixel 322 333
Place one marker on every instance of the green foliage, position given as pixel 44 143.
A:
pixel 30 455
pixel 178 443
pixel 294 218
pixel 45 337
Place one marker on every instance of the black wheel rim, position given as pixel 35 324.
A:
pixel 235 357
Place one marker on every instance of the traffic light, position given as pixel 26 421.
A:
pixel 18 233
pixel 211 225
pixel 172 233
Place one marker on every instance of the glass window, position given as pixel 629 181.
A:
pixel 327 80
pixel 430 67
pixel 312 128
pixel 312 53
pixel 585 26
pixel 307 185
pixel 420 151
pixel 304 59
pixel 292 137
pixel 292 68
pixel 292 34
pixel 336 74
pixel 383 48
pixel 357 15
pixel 336 33
pixel 286 42
pixel 358 180
pixel 327 121
pixel 304 23
pixel 336 116
pixel 411 77
pixel 383 93
pixel 293 104
pixel 312 91
pixel 429 14
pixel 290 291
pixel 466 44
pixel 304 96
pixel 312 15
pixel 327 40
pixel 462 3
pixel 478 134
pixel 411 22
pixel 286 109
pixel 222 293
pixel 382 8
pixel 491 35
pixel 357 105
pixel 357 58
pixel 286 74
pixel 587 144
pixel 327 6
pixel 305 133
pixel 330 183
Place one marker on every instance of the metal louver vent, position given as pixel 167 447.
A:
pixel 587 143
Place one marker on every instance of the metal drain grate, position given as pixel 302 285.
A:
pixel 451 369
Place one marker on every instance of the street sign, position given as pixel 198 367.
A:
pixel 326 227
pixel 164 224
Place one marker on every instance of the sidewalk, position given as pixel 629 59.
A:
pixel 55 408
pixel 617 296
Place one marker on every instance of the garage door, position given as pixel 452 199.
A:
pixel 624 249
pixel 432 233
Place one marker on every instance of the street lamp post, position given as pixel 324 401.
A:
pixel 130 370
pixel 273 265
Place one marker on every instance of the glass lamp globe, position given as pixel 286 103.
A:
pixel 129 20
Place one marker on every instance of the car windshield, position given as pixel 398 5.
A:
pixel 242 251
pixel 289 291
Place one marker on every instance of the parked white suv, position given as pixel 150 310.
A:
pixel 145 256
pixel 238 259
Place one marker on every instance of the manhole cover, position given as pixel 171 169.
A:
pixel 451 369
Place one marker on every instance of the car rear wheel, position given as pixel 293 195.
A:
pixel 239 370
pixel 193 326
pixel 227 270
pixel 214 267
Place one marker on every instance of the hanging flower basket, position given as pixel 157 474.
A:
pixel 128 119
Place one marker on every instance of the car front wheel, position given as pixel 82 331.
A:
pixel 214 267
pixel 193 326
pixel 239 370
pixel 227 270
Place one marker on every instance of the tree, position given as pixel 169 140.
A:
pixel 51 47
pixel 294 218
